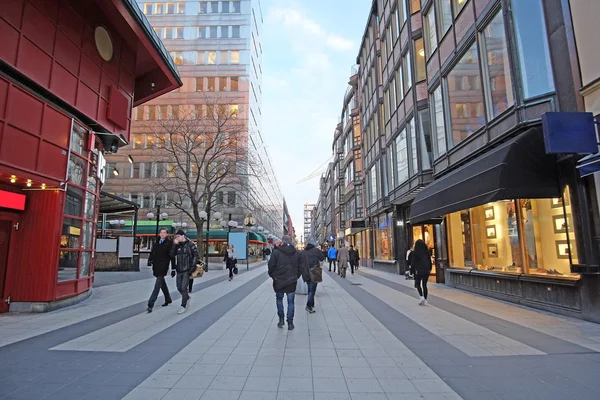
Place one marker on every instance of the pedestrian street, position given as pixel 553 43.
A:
pixel 369 339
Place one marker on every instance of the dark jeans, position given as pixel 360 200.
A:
pixel 159 284
pixel 190 285
pixel 183 280
pixel 421 284
pixel 334 262
pixel 290 301
pixel 312 290
pixel 353 266
pixel 230 272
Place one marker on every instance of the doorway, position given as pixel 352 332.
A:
pixel 5 232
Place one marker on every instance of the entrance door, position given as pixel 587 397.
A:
pixel 5 230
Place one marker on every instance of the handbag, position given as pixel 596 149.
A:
pixel 315 271
pixel 199 271
pixel 235 270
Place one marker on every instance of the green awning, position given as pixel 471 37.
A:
pixel 262 237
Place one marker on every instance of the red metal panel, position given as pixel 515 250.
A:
pixel 107 83
pixel 39 29
pixel 35 278
pixel 52 161
pixel 90 73
pixel 112 67
pixel 127 81
pixel 63 83
pixel 47 7
pixel 56 127
pixel 24 111
pixel 87 100
pixel 12 200
pixel 89 45
pixel 66 289
pixel 9 43
pixel 12 11
pixel 67 53
pixel 34 62
pixel 128 58
pixel 118 105
pixel 70 23
pixel 3 95
pixel 19 148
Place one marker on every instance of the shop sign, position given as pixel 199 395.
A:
pixel 101 168
pixel 569 133
pixel 12 200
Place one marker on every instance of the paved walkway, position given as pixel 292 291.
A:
pixel 368 340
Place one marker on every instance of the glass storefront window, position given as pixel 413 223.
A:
pixel 86 260
pixel 67 265
pixel 71 233
pixel 439 126
pixel 88 234
pixel 74 201
pixel 383 242
pixel 90 205
pixel 499 94
pixel 524 236
pixel 77 170
pixel 532 47
pixel 78 135
pixel 465 97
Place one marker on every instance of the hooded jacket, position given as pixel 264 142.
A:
pixel 332 253
pixel 311 257
pixel 285 268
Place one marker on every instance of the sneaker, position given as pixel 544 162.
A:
pixel 425 303
pixel 182 310
pixel 149 309
pixel 308 309
pixel 230 279
pixel 422 301
pixel 167 303
pixel 290 326
pixel 312 310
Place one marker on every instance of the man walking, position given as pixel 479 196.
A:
pixel 354 258
pixel 332 256
pixel 343 258
pixel 159 259
pixel 285 268
pixel 312 258
pixel 185 253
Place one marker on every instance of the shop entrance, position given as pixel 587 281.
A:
pixel 433 236
pixel 5 231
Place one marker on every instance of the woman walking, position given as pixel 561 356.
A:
pixel 421 268
pixel 230 260
pixel 311 259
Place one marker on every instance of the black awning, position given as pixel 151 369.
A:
pixel 518 168
pixel 111 204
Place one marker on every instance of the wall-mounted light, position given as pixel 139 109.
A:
pixel 130 159
pixel 13 179
pixel 115 172
pixel 43 186
pixel 28 182
pixel 422 53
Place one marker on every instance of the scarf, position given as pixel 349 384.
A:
pixel 231 254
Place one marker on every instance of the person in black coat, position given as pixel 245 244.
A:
pixel 185 254
pixel 420 265
pixel 354 258
pixel 230 260
pixel 311 258
pixel 159 260
pixel 285 268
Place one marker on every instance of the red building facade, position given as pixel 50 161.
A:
pixel 70 73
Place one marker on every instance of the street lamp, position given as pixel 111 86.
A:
pixel 159 216
pixel 205 216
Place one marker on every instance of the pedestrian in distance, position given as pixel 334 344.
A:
pixel 230 260
pixel 354 258
pixel 159 259
pixel 285 268
pixel 343 259
pixel 185 253
pixel 332 257
pixel 267 254
pixel 312 257
pixel 421 265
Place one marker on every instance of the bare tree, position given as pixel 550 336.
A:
pixel 201 150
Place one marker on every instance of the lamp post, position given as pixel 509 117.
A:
pixel 205 216
pixel 159 216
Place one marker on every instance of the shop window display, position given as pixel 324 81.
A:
pixel 523 236
pixel 383 239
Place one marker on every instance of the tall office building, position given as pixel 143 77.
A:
pixel 216 46
pixel 308 228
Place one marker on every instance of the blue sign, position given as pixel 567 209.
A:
pixel 331 238
pixel 239 240
pixel 569 133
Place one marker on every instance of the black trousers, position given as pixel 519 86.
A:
pixel 159 284
pixel 334 262
pixel 421 284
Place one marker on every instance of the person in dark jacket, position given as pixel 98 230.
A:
pixel 159 259
pixel 421 265
pixel 311 259
pixel 185 253
pixel 230 260
pixel 267 254
pixel 285 268
pixel 354 258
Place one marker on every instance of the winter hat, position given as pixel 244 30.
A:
pixel 286 239
pixel 180 232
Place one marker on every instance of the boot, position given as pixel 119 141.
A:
pixel 281 322
pixel 290 326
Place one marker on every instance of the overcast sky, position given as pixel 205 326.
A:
pixel 309 49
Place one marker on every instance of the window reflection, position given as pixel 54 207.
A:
pixel 67 266
pixel 465 96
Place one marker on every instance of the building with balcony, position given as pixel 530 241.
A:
pixel 217 48
pixel 70 73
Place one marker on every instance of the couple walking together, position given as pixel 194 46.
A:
pixel 286 265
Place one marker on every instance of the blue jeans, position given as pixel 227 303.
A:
pixel 312 290
pixel 290 301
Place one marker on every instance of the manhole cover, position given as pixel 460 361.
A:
pixel 357 284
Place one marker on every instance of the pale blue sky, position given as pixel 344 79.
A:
pixel 309 49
